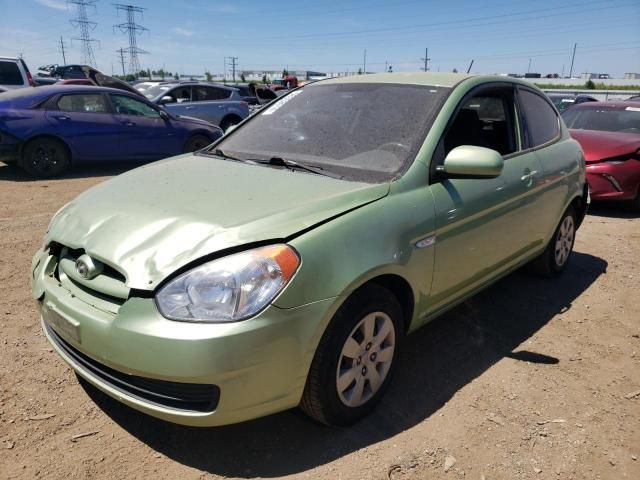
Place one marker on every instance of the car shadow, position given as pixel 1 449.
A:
pixel 611 210
pixel 438 360
pixel 12 172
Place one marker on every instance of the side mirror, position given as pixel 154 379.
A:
pixel 166 99
pixel 469 161
pixel 164 115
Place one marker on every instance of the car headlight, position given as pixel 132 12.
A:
pixel 230 288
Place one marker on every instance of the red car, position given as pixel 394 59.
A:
pixel 609 133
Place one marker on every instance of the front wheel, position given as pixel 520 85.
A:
pixel 228 122
pixel 555 258
pixel 355 359
pixel 196 142
pixel 45 158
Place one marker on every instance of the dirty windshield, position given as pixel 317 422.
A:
pixel 360 131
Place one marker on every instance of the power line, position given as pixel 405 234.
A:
pixel 132 29
pixel 86 26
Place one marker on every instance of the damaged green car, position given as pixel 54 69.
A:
pixel 283 265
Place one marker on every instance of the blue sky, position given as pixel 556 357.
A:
pixel 191 36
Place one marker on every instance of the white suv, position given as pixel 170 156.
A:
pixel 14 74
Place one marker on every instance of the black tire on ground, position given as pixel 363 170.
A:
pixel 45 158
pixel 228 121
pixel 321 399
pixel 634 205
pixel 555 258
pixel 196 142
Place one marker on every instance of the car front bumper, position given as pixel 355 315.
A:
pixel 614 181
pixel 251 368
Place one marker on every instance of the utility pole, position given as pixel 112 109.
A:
pixel 364 69
pixel 121 52
pixel 64 57
pixel 132 29
pixel 82 22
pixel 529 67
pixel 425 60
pixel 233 67
pixel 573 57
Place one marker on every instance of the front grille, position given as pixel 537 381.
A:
pixel 196 397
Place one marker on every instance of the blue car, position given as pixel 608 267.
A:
pixel 45 130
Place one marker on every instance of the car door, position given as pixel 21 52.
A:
pixel 210 104
pixel 86 122
pixel 146 134
pixel 481 224
pixel 180 103
pixel 541 127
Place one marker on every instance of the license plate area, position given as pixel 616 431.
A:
pixel 63 325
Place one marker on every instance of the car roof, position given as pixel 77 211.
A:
pixel 13 59
pixel 410 78
pixel 611 105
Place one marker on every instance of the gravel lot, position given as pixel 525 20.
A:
pixel 530 379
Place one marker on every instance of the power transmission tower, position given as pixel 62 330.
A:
pixel 64 57
pixel 132 29
pixel 85 26
pixel 121 52
pixel 425 60
pixel 233 67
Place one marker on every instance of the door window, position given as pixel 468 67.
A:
pixel 485 120
pixel 180 94
pixel 210 93
pixel 130 106
pixel 10 74
pixel 83 103
pixel 539 118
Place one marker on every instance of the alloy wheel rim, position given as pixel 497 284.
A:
pixel 365 359
pixel 45 158
pixel 564 241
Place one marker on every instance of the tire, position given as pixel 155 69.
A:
pixel 350 372
pixel 45 158
pixel 196 142
pixel 555 258
pixel 633 206
pixel 229 121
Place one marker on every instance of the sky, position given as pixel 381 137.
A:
pixel 194 36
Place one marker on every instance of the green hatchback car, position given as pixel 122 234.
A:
pixel 283 265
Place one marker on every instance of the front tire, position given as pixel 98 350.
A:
pixel 355 359
pixel 45 158
pixel 196 142
pixel 228 122
pixel 555 258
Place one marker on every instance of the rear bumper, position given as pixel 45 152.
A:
pixel 614 181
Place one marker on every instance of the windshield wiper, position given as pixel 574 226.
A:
pixel 293 165
pixel 219 153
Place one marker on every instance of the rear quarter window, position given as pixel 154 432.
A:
pixel 10 74
pixel 540 119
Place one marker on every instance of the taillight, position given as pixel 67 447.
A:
pixel 30 79
pixel 244 104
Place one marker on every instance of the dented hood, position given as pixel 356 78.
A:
pixel 149 222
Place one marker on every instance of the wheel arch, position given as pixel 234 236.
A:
pixel 24 144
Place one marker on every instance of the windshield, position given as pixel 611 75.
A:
pixel 604 119
pixel 155 90
pixel 361 131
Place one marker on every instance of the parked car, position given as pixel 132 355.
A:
pixel 284 264
pixel 609 133
pixel 634 98
pixel 45 130
pixel 143 86
pixel 247 92
pixel 218 104
pixel 564 101
pixel 14 73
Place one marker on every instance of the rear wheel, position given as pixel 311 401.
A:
pixel 355 359
pixel 196 142
pixel 634 205
pixel 555 258
pixel 45 158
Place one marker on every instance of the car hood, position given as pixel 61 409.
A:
pixel 194 121
pixel 153 220
pixel 598 145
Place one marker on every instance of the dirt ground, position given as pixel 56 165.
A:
pixel 531 379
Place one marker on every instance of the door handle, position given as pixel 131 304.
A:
pixel 62 117
pixel 528 175
pixel 128 124
pixel 189 108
